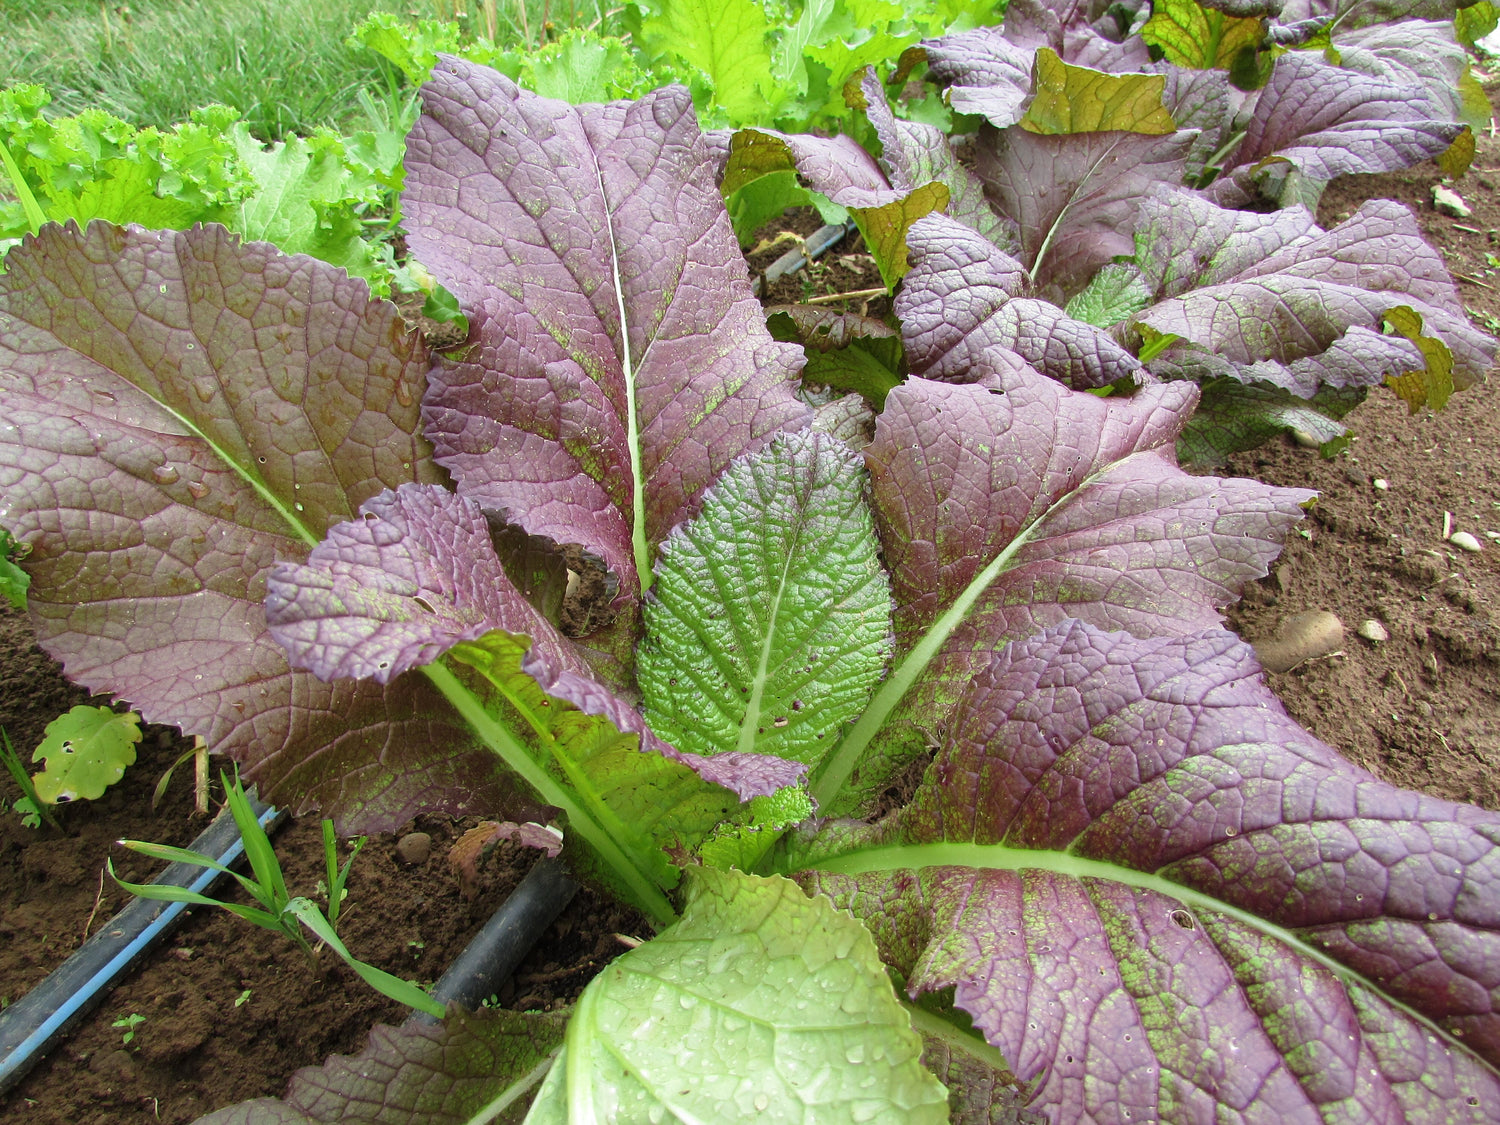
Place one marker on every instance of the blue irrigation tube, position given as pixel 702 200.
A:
pixel 35 1022
pixel 31 1026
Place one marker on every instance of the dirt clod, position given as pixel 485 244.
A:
pixel 414 848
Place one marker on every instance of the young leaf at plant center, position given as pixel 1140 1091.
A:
pixel 232 402
pixel 1075 99
pixel 755 992
pixel 1097 182
pixel 1121 864
pixel 1194 36
pixel 86 752
pixel 598 362
pixel 485 1065
pixel 770 622
pixel 415 578
pixel 1117 292
pixel 844 350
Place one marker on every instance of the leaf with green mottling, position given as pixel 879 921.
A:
pixel 1202 38
pixel 1116 292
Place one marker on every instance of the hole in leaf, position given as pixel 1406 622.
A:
pixel 1182 918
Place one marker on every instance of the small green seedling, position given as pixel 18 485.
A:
pixel 333 889
pixel 31 807
pixel 278 911
pixel 129 1023
pixel 242 998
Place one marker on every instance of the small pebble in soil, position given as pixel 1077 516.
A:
pixel 414 848
pixel 1381 484
pixel 1372 630
pixel 1302 636
pixel 1449 202
pixel 1465 541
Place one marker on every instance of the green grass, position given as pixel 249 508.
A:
pixel 283 65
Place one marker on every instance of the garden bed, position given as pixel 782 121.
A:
pixel 230 1013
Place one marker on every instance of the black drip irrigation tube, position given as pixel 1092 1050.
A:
pixel 36 1022
pixel 814 245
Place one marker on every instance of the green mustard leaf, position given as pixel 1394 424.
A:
pixel 1431 384
pixel 1116 292
pixel 14 582
pixel 584 66
pixel 771 621
pixel 1075 99
pixel 86 752
pixel 634 802
pixel 761 1003
pixel 1198 37
pixel 306 200
pixel 94 166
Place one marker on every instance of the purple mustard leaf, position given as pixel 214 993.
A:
pixel 984 72
pixel 443 1073
pixel 963 317
pixel 1353 14
pixel 913 154
pixel 1314 121
pixel 396 588
pixel 1296 302
pixel 618 359
pixel 1154 892
pixel 1411 53
pixel 1185 242
pixel 1094 185
pixel 181 412
pixel 1001 514
pixel 416 575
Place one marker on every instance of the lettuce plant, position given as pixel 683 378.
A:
pixel 966 684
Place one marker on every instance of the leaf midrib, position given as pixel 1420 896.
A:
pixel 999 857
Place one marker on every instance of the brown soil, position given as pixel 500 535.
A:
pixel 231 1011
pixel 1421 709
